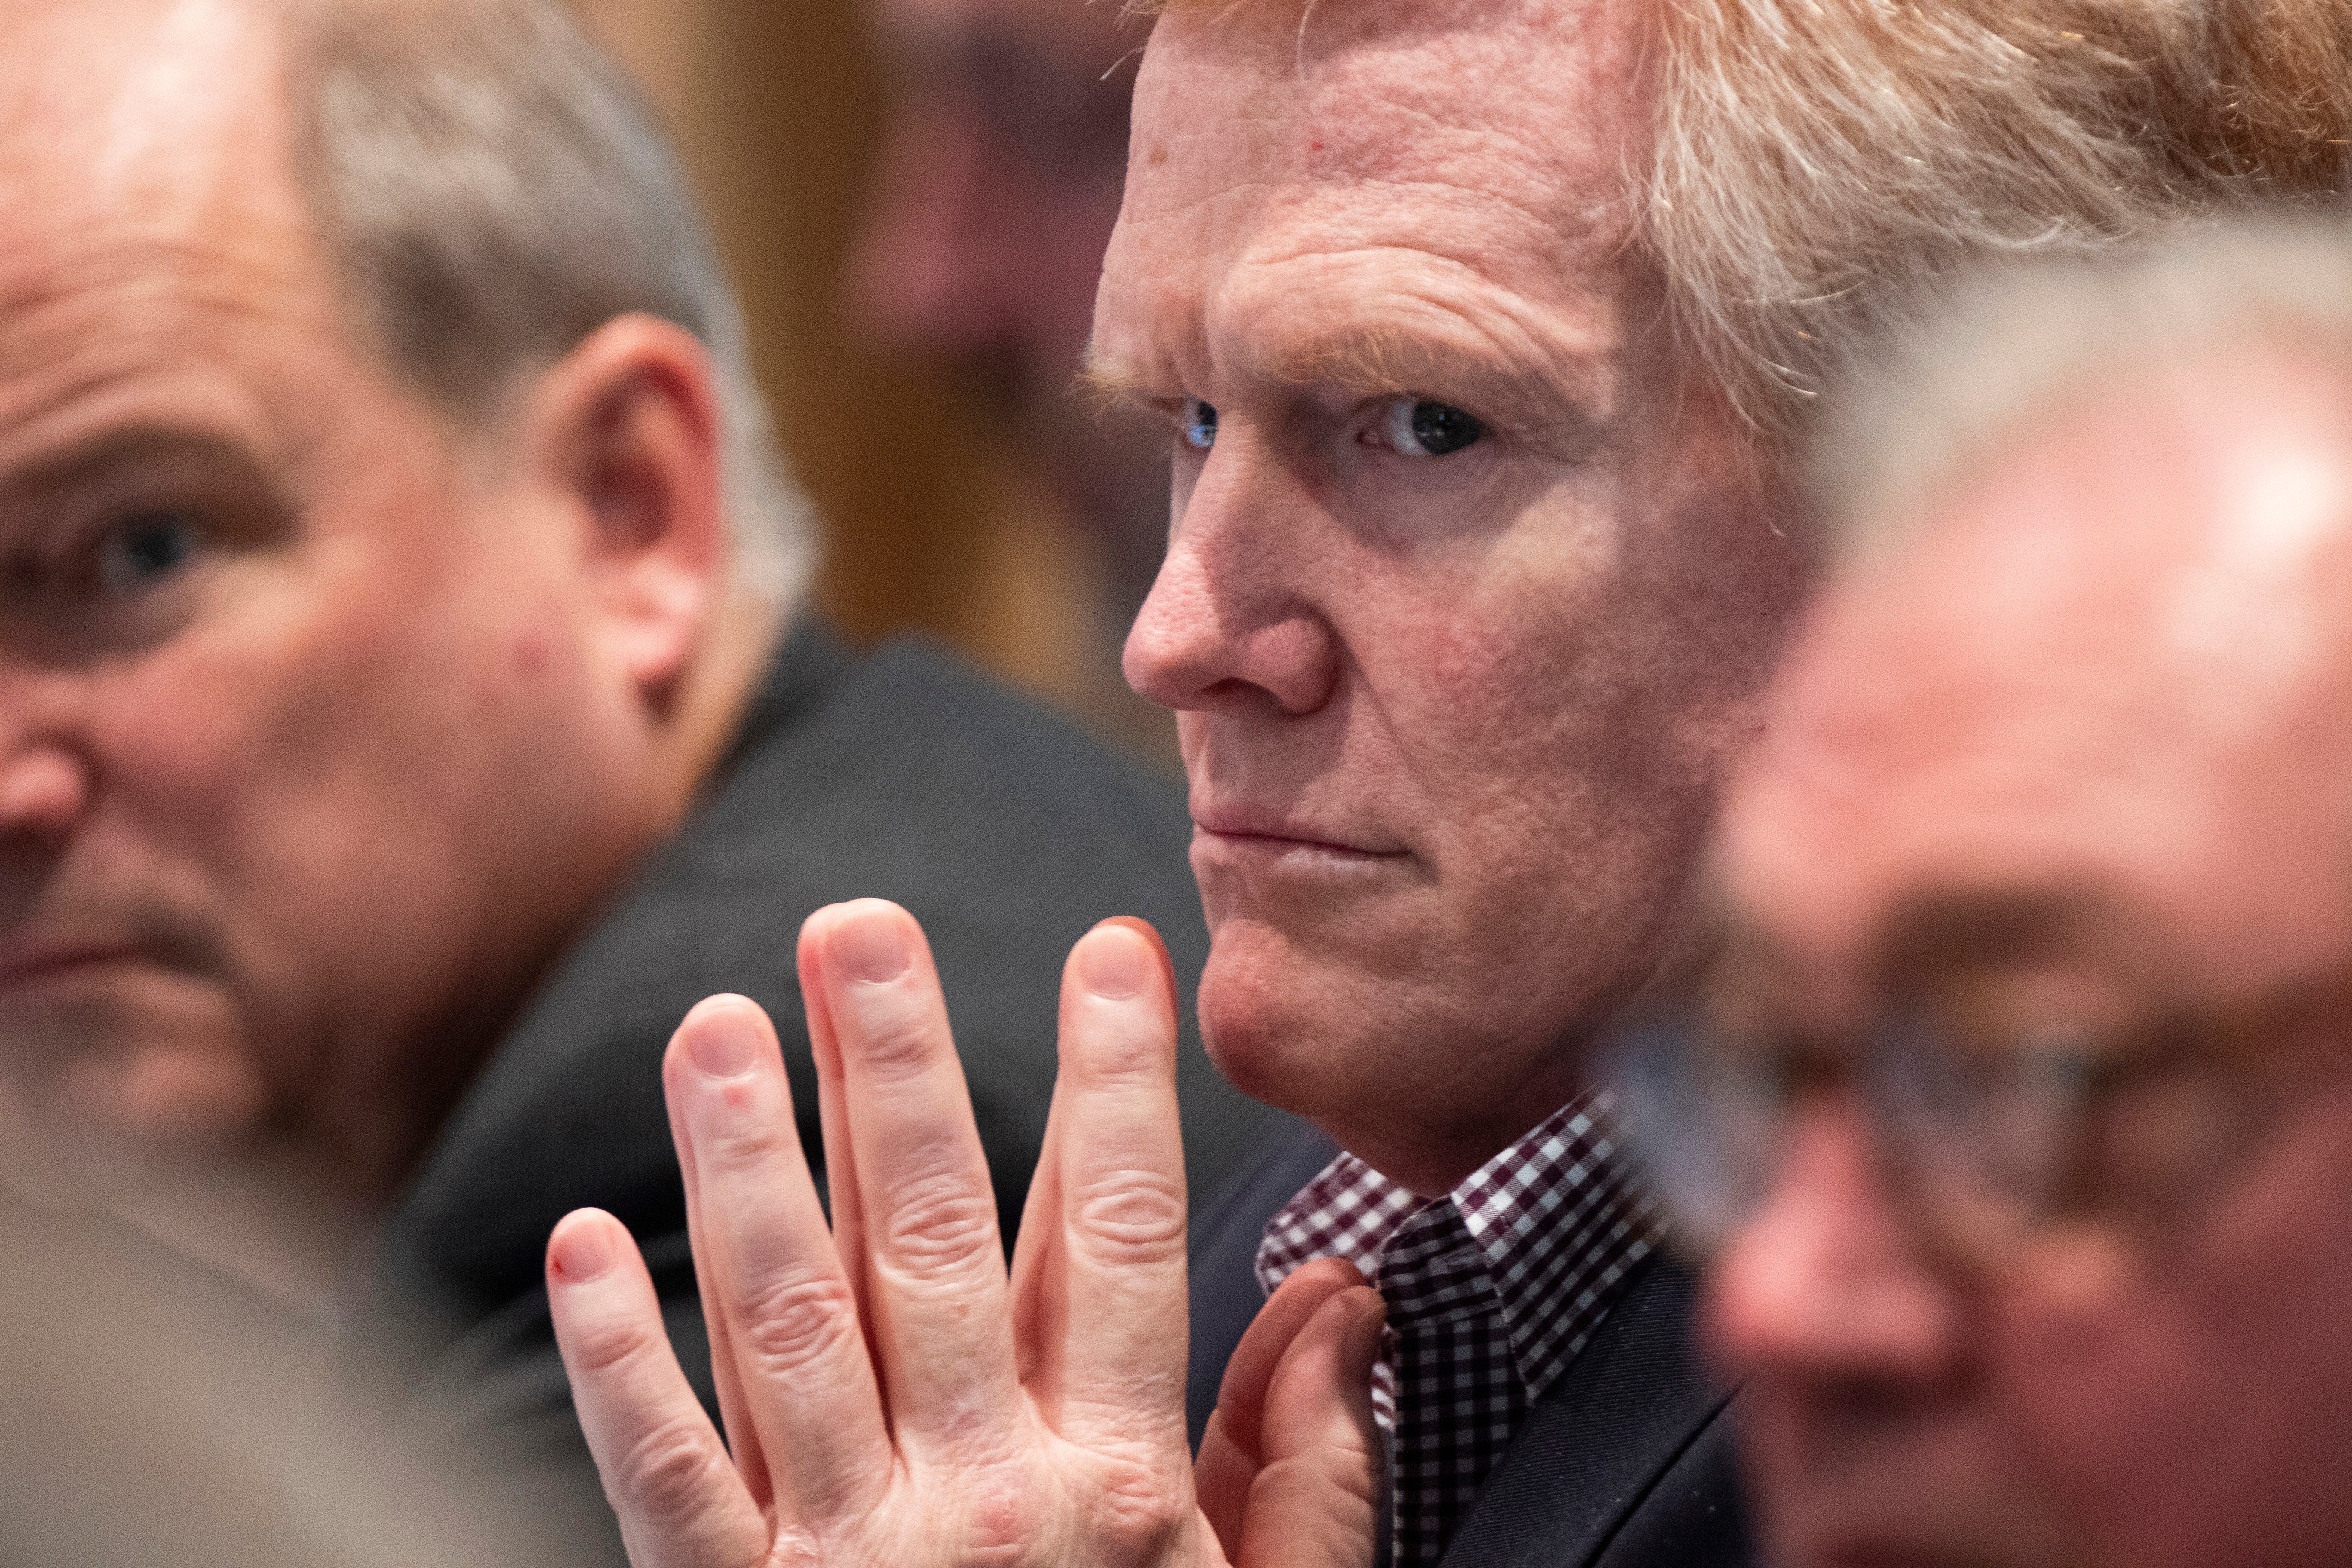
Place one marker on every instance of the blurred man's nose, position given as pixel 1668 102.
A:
pixel 45 781
pixel 44 788
pixel 1232 621
pixel 1824 1284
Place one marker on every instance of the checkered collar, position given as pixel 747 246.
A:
pixel 1557 1217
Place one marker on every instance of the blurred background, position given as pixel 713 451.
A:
pixel 914 196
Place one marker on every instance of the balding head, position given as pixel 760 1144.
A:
pixel 2107 616
pixel 2052 831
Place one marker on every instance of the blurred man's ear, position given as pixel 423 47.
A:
pixel 627 428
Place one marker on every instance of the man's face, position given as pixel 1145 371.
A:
pixel 1468 591
pixel 303 771
pixel 994 192
pixel 2078 756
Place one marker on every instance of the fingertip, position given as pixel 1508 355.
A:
pixel 1367 1322
pixel 1116 961
pixel 583 1247
pixel 1150 933
pixel 871 940
pixel 1332 1273
pixel 723 1037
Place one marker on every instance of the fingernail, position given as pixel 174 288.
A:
pixel 581 1251
pixel 724 1041
pixel 1364 1334
pixel 1114 962
pixel 869 943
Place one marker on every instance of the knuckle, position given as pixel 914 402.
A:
pixel 940 1223
pixel 1129 1217
pixel 1127 1058
pixel 742 1144
pixel 894 1042
pixel 597 1347
pixel 1138 1514
pixel 668 1474
pixel 1001 1524
pixel 795 1322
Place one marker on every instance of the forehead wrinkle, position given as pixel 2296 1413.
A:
pixel 119 300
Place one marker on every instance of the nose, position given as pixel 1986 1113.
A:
pixel 43 791
pixel 1233 620
pixel 1824 1285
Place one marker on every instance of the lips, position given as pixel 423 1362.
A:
pixel 1274 831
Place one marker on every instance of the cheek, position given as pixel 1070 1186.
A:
pixel 2196 1407
pixel 335 753
pixel 2105 1391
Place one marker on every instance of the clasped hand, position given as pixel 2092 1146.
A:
pixel 891 1397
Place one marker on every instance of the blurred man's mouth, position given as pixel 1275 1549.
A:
pixel 32 967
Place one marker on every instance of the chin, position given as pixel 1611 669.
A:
pixel 1255 1027
pixel 1296 1030
pixel 108 1107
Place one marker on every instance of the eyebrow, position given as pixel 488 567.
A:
pixel 91 457
pixel 1111 382
pixel 1938 932
pixel 92 462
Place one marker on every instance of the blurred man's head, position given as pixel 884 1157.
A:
pixel 994 191
pixel 2043 882
pixel 1483 326
pixel 386 540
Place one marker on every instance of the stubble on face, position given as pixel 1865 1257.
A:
pixel 1507 676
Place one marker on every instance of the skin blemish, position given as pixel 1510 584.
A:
pixel 532 654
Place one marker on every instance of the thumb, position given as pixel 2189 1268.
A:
pixel 1231 1448
pixel 1316 1499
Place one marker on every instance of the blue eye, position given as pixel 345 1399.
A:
pixel 143 550
pixel 1200 425
pixel 1419 427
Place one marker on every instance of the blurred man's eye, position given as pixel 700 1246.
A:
pixel 1419 427
pixel 144 550
pixel 1199 424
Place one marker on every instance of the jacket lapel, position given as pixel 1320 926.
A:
pixel 1632 1428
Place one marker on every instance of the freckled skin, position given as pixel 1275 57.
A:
pixel 2118 657
pixel 343 783
pixel 1517 670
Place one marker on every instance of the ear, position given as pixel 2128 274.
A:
pixel 625 430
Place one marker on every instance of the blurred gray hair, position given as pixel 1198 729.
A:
pixel 2021 342
pixel 494 188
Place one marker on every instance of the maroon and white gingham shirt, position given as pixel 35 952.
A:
pixel 1492 1290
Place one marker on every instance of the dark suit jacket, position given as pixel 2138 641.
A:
pixel 900 775
pixel 1626 1462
